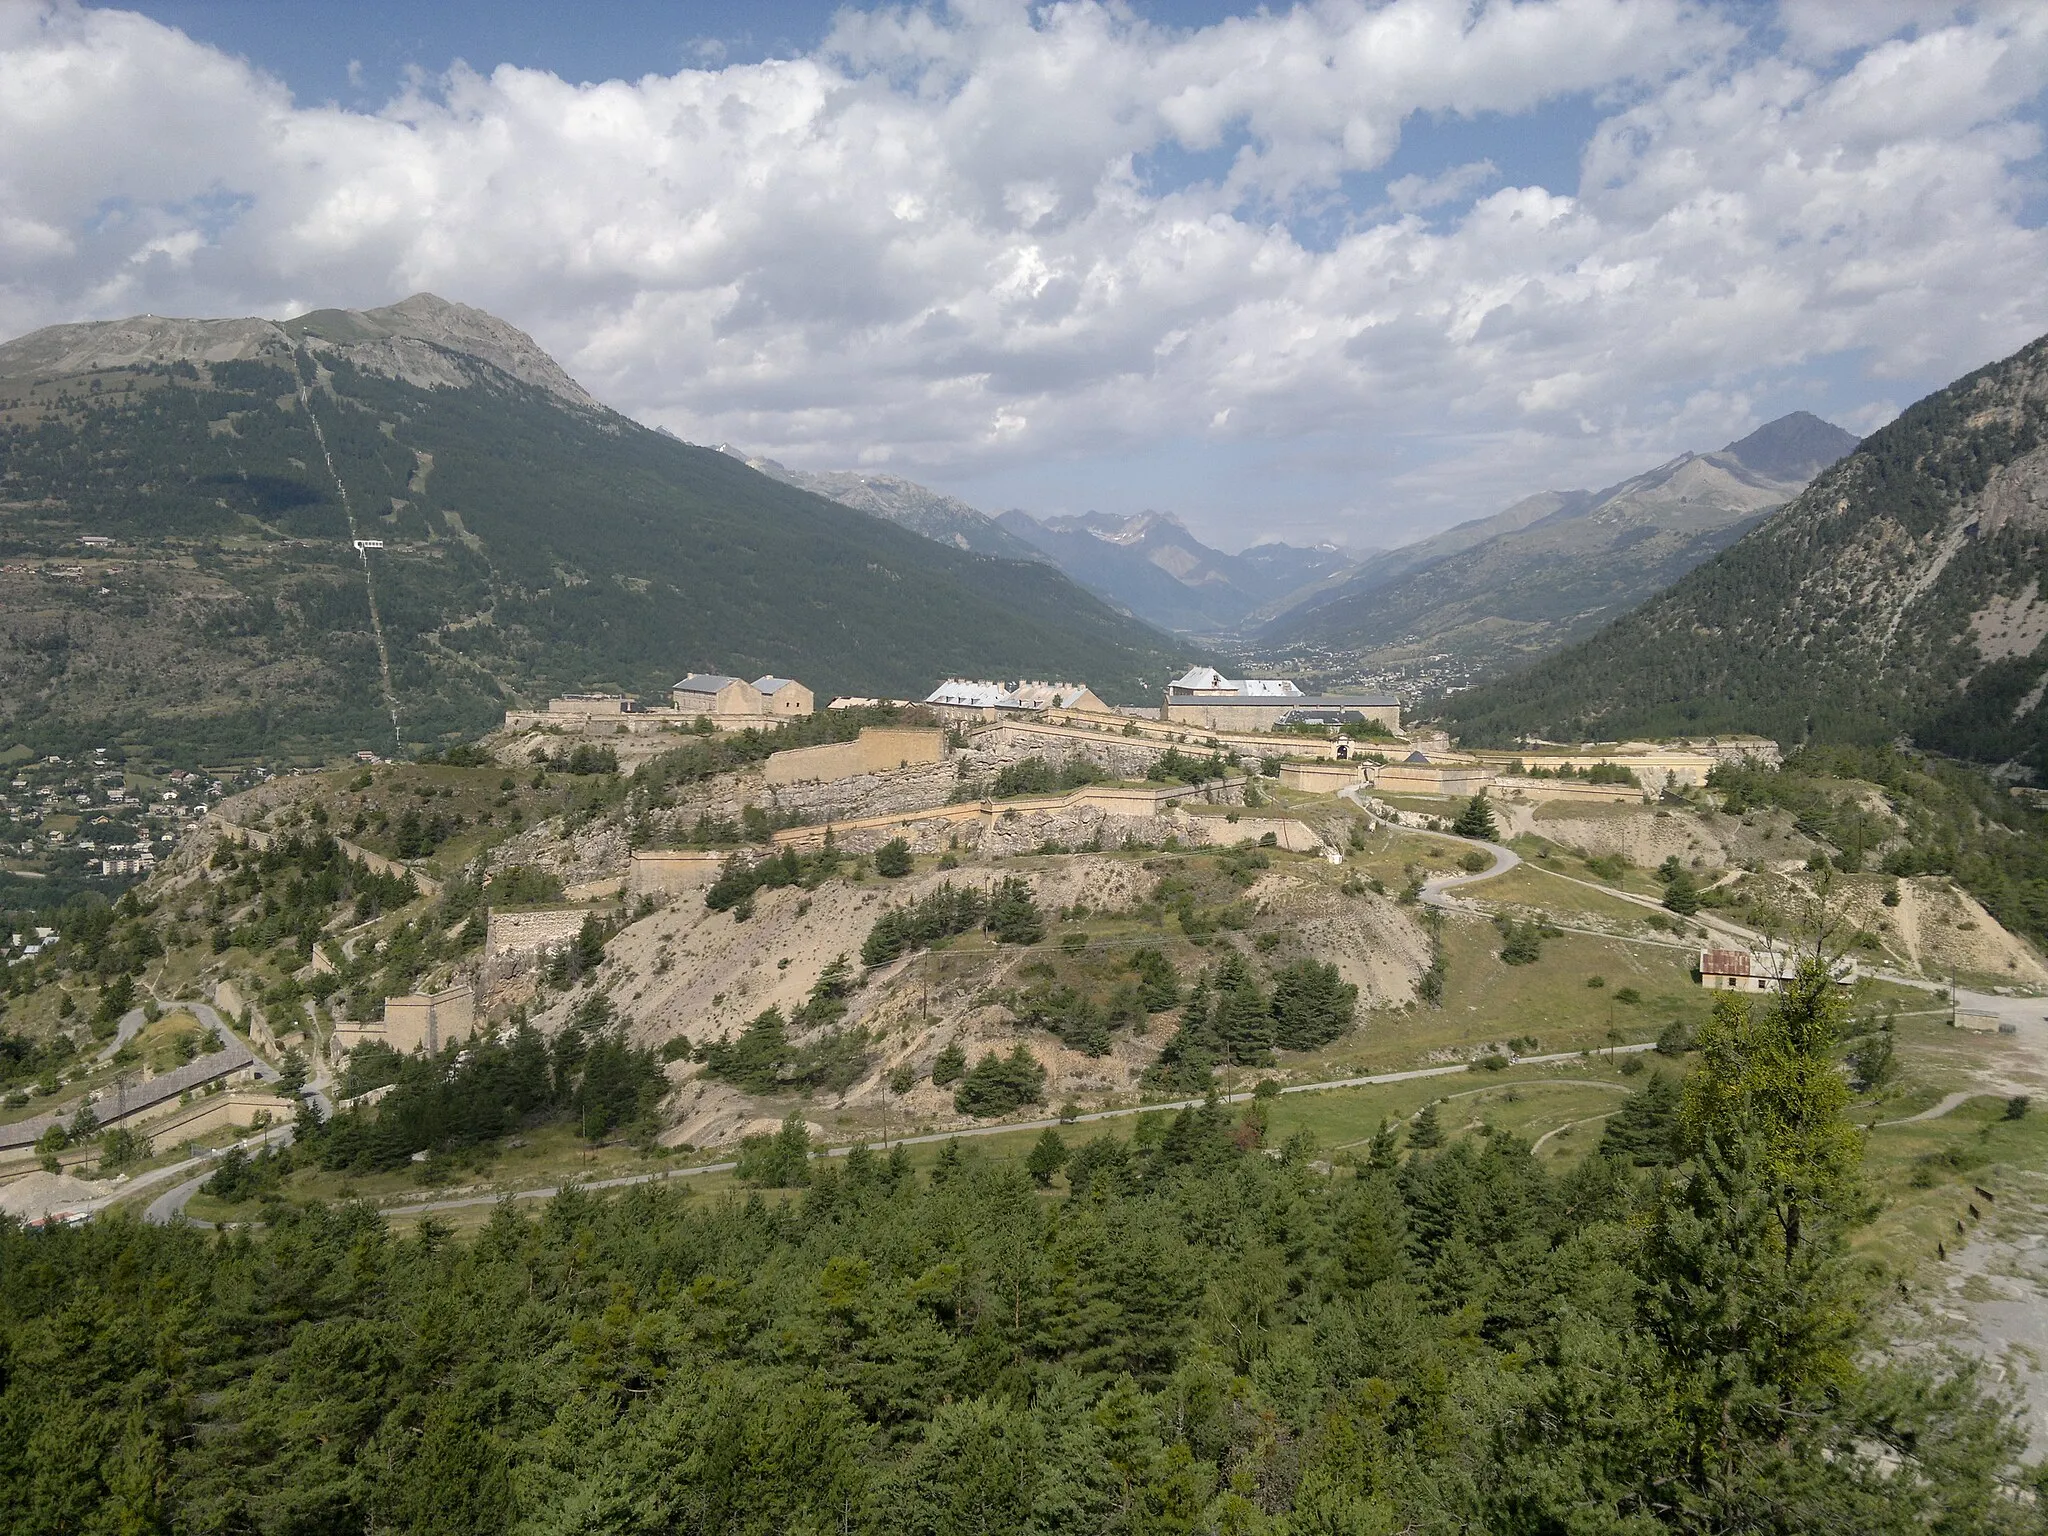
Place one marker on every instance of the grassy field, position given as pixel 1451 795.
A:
pixel 1533 886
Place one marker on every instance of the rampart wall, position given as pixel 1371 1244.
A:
pixel 1324 778
pixel 1512 786
pixel 1102 813
pixel 878 749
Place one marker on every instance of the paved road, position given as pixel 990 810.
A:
pixel 170 1205
pixel 129 1027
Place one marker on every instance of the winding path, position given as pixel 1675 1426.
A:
pixel 1953 1101
pixel 1538 1144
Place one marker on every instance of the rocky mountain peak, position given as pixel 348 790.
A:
pixel 421 339
pixel 374 338
pixel 1794 447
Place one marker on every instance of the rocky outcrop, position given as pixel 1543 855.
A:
pixel 424 340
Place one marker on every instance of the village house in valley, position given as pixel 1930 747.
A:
pixel 1742 970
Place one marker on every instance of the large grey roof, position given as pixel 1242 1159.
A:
pixel 703 682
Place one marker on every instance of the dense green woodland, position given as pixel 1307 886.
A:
pixel 531 549
pixel 1191 1336
pixel 1791 633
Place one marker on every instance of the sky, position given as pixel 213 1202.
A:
pixel 1350 270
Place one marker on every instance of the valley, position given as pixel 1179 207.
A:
pixel 1171 1040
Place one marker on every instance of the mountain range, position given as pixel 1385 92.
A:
pixel 1486 594
pixel 1903 593
pixel 1555 566
pixel 1148 564
pixel 529 541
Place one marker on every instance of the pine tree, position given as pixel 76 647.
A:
pixel 1312 1005
pixel 1768 1073
pixel 1644 1131
pixel 1013 917
pixel 1243 1016
pixel 1048 1156
pixel 1376 1230
pixel 1426 1133
pixel 1476 819
pixel 1383 1152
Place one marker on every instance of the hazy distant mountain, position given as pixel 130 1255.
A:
pixel 1902 593
pixel 944 518
pixel 1148 565
pixel 523 540
pixel 1556 565
pixel 1151 566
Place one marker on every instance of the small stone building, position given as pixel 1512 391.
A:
pixel 1742 970
pixel 783 696
pixel 716 695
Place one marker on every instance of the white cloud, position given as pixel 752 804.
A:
pixel 943 242
pixel 1411 193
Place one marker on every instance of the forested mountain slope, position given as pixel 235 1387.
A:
pixel 1554 566
pixel 533 541
pixel 1901 593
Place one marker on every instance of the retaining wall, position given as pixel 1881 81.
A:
pixel 430 1019
pixel 878 749
pixel 663 873
pixel 1013 825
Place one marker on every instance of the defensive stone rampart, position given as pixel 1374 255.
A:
pixel 416 1019
pixel 1322 778
pixel 878 749
pixel 1015 825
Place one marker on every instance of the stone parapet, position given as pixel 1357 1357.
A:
pixel 1322 778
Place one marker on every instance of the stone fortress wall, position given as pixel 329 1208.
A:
pixel 878 749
